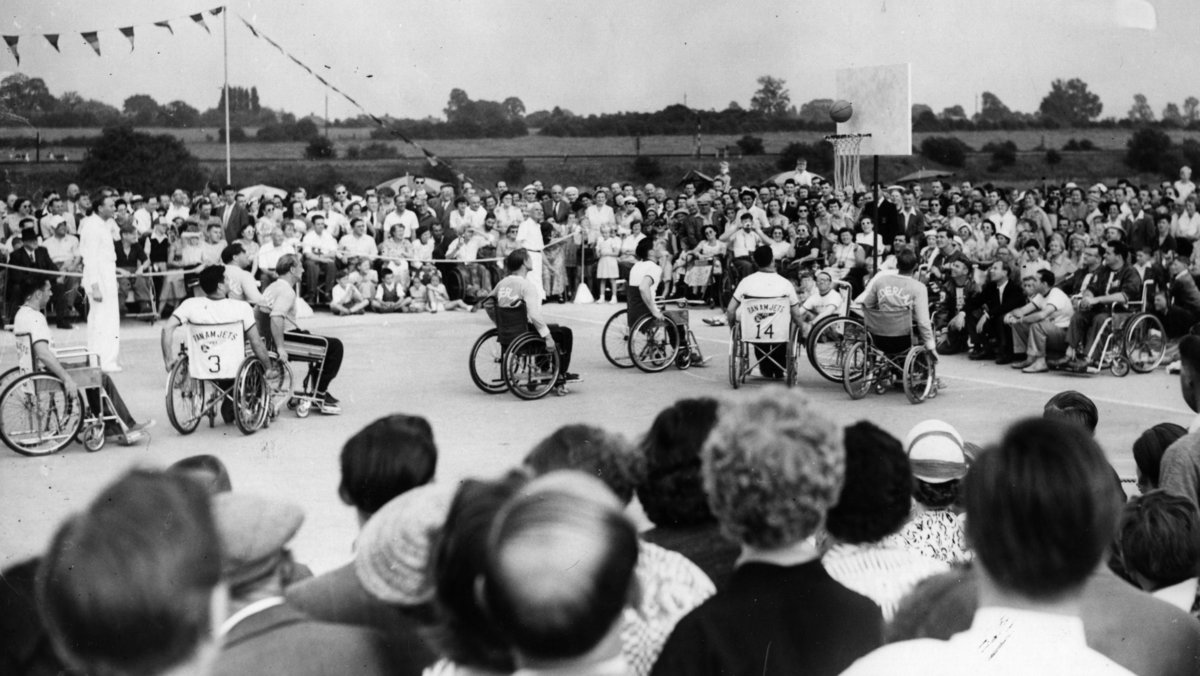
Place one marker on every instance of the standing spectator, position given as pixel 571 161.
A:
pixel 1073 407
pixel 28 253
pixel 1148 451
pixel 234 214
pixel 132 585
pixel 1178 305
pixel 529 237
pixel 1160 547
pixel 100 284
pixel 772 468
pixel 1180 472
pixel 1040 515
pixel 939 461
pixel 1184 186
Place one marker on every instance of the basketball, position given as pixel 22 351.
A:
pixel 841 111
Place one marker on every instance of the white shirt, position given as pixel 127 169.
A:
pixel 322 244
pixel 241 284
pixel 175 210
pixel 1000 642
pixel 823 304
pixel 269 254
pixel 62 250
pixel 32 322
pixel 96 248
pixel 529 236
pixel 353 245
pixel 765 285
pixel 408 219
pixel 1185 226
pixel 206 311
pixel 1180 595
pixel 1058 299
pixel 643 269
pixel 142 221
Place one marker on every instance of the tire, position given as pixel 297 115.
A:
pixel 653 344
pixel 303 408
pixel 920 375
pixel 37 417
pixel 92 437
pixel 735 357
pixel 828 342
pixel 614 340
pixel 1145 343
pixel 1119 367
pixel 186 398
pixel 858 376
pixel 279 379
pixel 9 376
pixel 793 357
pixel 486 364
pixel 530 369
pixel 251 397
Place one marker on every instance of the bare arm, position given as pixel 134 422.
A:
pixel 256 345
pixel 646 288
pixel 45 356
pixel 277 335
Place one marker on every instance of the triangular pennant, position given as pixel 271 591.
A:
pixel 216 11
pixel 433 160
pixel 249 27
pixel 165 24
pixel 128 32
pixel 52 38
pixel 11 41
pixel 199 18
pixel 93 41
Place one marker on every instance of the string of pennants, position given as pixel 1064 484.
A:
pixel 92 38
pixel 433 159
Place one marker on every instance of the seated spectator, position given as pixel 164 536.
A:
pixel 148 537
pixel 1148 451
pixel 672 491
pixel 671 585
pixel 389 295
pixel 208 470
pixel 559 575
pixel 1160 547
pixel 439 298
pixel 990 337
pixel 1040 514
pixel 262 631
pixel 824 302
pixel 772 467
pixel 1177 304
pixel 874 503
pixel 1039 327
pixel 347 299
pixel 25 645
pixel 960 308
pixel 1073 407
pixel 939 461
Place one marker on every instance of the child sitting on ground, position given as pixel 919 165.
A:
pixel 439 298
pixel 347 299
pixel 364 277
pixel 389 295
pixel 418 294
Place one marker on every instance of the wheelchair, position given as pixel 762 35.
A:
pixel 212 369
pixel 510 357
pixel 655 344
pixel 867 367
pixel 280 375
pixel 831 336
pixel 766 325
pixel 37 417
pixel 1129 338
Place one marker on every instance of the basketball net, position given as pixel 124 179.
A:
pixel 846 156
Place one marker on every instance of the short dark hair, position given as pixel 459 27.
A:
pixel 1074 407
pixel 1149 448
pixel 392 455
pixel 642 250
pixel 1160 538
pixel 126 586
pixel 211 278
pixel 1046 276
pixel 228 253
pixel 906 261
pixel 286 263
pixel 31 285
pixel 1189 352
pixel 208 470
pixel 1118 247
pixel 1040 511
pixel 515 260
pixel 591 450
pixel 763 256
pixel 876 493
pixel 672 492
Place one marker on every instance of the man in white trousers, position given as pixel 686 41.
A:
pixel 529 237
pixel 100 283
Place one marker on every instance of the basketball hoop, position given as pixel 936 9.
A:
pixel 846 157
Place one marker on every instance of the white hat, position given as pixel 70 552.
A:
pixel 935 452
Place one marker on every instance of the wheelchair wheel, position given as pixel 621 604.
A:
pixel 186 398
pixel 614 340
pixel 530 369
pixel 920 375
pixel 1119 366
pixel 37 417
pixel 251 397
pixel 8 376
pixel 303 408
pixel 828 343
pixel 486 364
pixel 653 344
pixel 737 357
pixel 92 436
pixel 858 370
pixel 793 357
pixel 1145 343
pixel 279 380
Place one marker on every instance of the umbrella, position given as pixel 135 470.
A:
pixel 255 193
pixel 430 184
pixel 924 175
pixel 779 178
pixel 702 181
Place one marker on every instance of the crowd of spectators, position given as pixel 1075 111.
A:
pixel 779 543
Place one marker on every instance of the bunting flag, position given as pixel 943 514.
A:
pixel 430 157
pixel 165 24
pixel 93 41
pixel 199 18
pixel 11 41
pixel 128 32
pixel 216 11
pixel 52 38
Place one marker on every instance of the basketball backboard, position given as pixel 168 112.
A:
pixel 882 99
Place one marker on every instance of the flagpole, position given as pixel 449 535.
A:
pixel 228 131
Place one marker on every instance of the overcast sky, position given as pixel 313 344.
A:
pixel 612 56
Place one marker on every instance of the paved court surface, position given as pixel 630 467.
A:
pixel 418 364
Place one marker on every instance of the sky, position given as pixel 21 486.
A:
pixel 402 58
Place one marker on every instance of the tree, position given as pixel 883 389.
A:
pixel 158 163
pixel 1147 148
pixel 1141 110
pixel 734 105
pixel 954 112
pixel 514 108
pixel 1171 114
pixel 816 110
pixel 254 104
pixel 141 110
pixel 948 150
pixel 320 148
pixel 992 109
pixel 1070 103
pixel 751 145
pixel 180 114
pixel 25 96
pixel 457 102
pixel 1191 109
pixel 771 99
